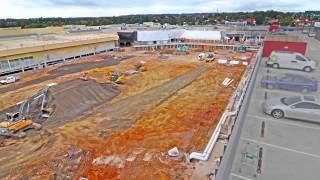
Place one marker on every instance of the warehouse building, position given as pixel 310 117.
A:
pixel 173 36
pixel 39 48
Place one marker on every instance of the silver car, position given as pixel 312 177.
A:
pixel 297 107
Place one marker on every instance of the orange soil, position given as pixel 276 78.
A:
pixel 185 121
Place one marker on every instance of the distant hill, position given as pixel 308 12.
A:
pixel 261 17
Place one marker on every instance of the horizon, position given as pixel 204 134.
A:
pixel 270 10
pixel 29 9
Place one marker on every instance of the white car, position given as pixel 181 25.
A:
pixel 305 31
pixel 9 79
pixel 312 34
pixel 291 60
pixel 296 107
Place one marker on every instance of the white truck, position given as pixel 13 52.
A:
pixel 291 60
pixel 9 80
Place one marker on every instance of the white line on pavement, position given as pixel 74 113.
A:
pixel 241 177
pixel 280 147
pixel 282 122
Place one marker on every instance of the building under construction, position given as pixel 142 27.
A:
pixel 27 49
pixel 157 106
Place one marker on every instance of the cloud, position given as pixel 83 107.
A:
pixel 73 3
pixel 86 8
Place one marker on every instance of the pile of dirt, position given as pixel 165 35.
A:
pixel 66 101
pixel 72 98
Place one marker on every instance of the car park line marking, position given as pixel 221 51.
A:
pixel 280 147
pixel 281 122
pixel 241 177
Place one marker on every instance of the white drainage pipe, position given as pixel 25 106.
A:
pixel 206 153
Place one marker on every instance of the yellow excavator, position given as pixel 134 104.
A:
pixel 117 77
pixel 15 126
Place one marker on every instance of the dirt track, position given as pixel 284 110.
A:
pixel 154 96
pixel 64 70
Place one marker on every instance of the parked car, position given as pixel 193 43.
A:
pixel 312 34
pixel 291 60
pixel 291 82
pixel 296 107
pixel 9 79
pixel 305 31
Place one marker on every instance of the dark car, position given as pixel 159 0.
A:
pixel 290 82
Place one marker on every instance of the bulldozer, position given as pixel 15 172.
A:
pixel 15 126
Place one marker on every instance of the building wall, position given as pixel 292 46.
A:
pixel 38 58
pixel 48 30
pixel 270 46
pixel 317 31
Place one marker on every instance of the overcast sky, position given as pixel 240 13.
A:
pixel 90 8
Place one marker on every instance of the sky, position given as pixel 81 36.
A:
pixel 101 8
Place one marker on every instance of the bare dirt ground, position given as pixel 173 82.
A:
pixel 176 103
pixel 62 71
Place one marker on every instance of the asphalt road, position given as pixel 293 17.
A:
pixel 290 148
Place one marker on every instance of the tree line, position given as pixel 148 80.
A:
pixel 261 17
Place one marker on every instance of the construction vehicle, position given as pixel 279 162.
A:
pixel 15 126
pixel 208 57
pixel 240 48
pixel 85 76
pixel 117 77
pixel 141 67
pixel 182 48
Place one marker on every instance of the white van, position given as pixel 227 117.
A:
pixel 290 60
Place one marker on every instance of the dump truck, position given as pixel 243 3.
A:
pixel 208 57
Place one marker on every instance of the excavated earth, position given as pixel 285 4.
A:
pixel 74 97
pixel 65 70
pixel 94 134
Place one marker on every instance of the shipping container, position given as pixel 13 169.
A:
pixel 283 43
pixel 270 46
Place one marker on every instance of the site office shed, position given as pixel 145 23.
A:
pixel 283 43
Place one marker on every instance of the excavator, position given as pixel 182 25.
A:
pixel 15 126
pixel 117 77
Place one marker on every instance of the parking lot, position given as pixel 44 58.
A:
pixel 278 149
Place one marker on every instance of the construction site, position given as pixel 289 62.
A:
pixel 89 109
